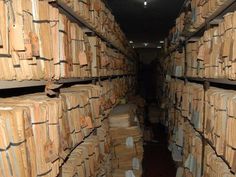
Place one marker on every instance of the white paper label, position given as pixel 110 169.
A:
pixel 135 163
pixel 129 173
pixel 129 142
pixel 135 119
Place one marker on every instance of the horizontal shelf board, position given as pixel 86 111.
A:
pixel 21 84
pixel 211 80
pixel 36 83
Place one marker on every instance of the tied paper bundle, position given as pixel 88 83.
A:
pixel 178 64
pixel 185 115
pixel 96 15
pixel 191 143
pixel 193 65
pixel 190 20
pixel 192 104
pixel 214 165
pixel 27 27
pixel 39 133
pixel 126 140
pixel 188 99
pixel 123 116
pixel 106 61
pixel 79 112
pixel 32 129
pixel 220 122
pixel 84 161
pixel 215 51
pixel 192 151
pixel 185 142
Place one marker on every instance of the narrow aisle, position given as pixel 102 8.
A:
pixel 157 158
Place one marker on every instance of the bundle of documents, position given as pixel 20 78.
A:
pixel 126 141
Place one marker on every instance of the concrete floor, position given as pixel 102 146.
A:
pixel 157 158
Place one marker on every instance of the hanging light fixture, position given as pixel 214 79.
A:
pixel 145 3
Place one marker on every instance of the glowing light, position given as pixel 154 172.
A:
pixel 145 3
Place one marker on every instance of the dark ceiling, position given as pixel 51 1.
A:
pixel 148 24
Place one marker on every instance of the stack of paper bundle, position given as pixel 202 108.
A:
pixel 215 51
pixel 187 129
pixel 196 13
pixel 185 117
pixel 39 133
pixel 104 145
pixel 192 104
pixel 27 54
pixel 189 100
pixel 34 135
pixel 192 151
pixel 99 17
pixel 84 160
pixel 220 122
pixel 126 140
pixel 214 165
pixel 193 65
pixel 176 128
pixel 178 65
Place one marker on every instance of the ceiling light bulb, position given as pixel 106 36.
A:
pixel 161 42
pixel 131 42
pixel 145 44
pixel 159 47
pixel 145 3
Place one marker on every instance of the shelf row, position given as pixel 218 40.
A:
pixel 95 17
pixel 199 120
pixel 39 42
pixel 197 17
pixel 209 58
pixel 40 133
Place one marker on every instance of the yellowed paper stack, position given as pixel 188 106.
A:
pixel 214 165
pixel 215 52
pixel 126 140
pixel 39 42
pixel 99 17
pixel 39 133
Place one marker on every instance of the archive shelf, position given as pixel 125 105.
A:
pixel 228 6
pixel 206 141
pixel 214 19
pixel 64 8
